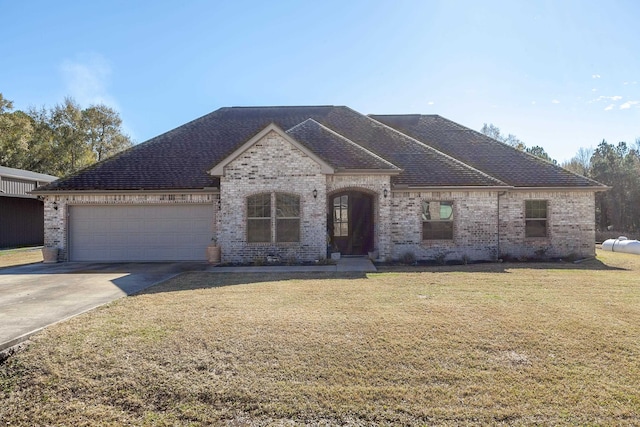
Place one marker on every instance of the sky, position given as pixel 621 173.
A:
pixel 561 74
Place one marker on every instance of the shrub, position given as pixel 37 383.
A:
pixel 408 258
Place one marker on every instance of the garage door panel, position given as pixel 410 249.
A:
pixel 140 233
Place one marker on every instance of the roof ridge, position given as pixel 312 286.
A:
pixel 370 153
pixel 280 106
pixel 438 151
pixel 404 115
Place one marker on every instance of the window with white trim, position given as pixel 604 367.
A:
pixel 437 220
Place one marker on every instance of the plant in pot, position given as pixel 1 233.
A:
pixel 214 252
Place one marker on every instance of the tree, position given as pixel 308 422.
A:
pixel 618 167
pixel 15 132
pixel 102 126
pixel 5 104
pixel 43 157
pixel 69 138
pixel 581 162
pixel 539 152
pixel 60 140
pixel 493 131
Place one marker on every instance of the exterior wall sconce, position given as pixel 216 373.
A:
pixel 385 193
pixel 55 206
pixel 315 193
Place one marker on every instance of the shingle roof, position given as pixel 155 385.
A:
pixel 336 150
pixel 181 158
pixel 508 164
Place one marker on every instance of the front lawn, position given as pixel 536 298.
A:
pixel 552 344
pixel 21 256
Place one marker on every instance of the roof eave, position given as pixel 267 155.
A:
pixel 346 171
pixel 206 190
pixel 400 188
pixel 595 188
pixel 18 196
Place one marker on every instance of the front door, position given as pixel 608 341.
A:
pixel 351 223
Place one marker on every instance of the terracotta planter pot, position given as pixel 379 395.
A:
pixel 49 255
pixel 214 253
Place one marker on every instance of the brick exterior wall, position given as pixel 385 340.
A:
pixel 474 229
pixel 272 165
pixel 570 225
pixel 56 220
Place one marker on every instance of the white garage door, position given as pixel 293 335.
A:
pixel 140 233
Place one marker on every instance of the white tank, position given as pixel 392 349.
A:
pixel 622 244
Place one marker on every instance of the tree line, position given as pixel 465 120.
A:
pixel 59 140
pixel 617 166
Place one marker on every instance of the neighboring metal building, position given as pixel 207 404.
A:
pixel 21 214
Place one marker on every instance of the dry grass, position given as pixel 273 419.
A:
pixel 13 257
pixel 524 344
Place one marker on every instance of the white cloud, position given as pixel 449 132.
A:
pixel 430 103
pixel 595 76
pixel 594 90
pixel 609 107
pixel 628 105
pixel 533 102
pixel 86 79
pixel 606 98
pixel 555 101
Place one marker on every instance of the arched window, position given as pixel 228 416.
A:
pixel 273 217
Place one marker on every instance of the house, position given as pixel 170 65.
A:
pixel 290 181
pixel 21 214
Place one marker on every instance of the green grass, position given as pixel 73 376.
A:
pixel 524 344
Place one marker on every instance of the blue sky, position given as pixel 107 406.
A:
pixel 561 74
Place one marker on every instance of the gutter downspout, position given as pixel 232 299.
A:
pixel 500 193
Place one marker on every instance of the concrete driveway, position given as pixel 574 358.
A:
pixel 38 295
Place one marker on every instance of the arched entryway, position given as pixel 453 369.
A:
pixel 350 222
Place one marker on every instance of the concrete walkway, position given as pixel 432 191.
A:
pixel 344 264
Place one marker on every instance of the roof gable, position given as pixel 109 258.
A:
pixel 218 170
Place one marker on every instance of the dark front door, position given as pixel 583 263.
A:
pixel 351 223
